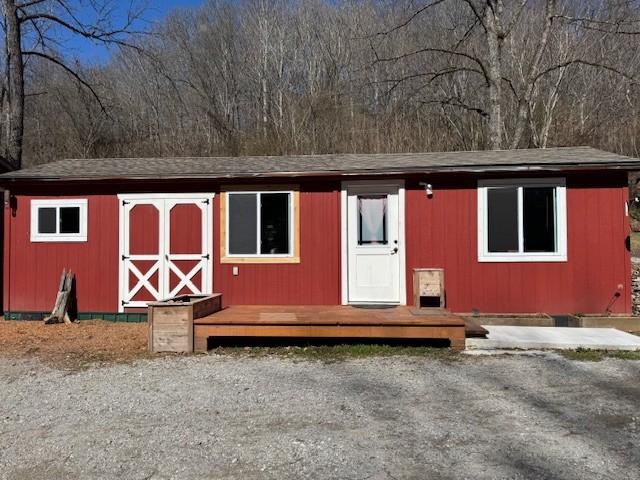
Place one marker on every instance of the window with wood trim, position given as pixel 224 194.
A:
pixel 63 220
pixel 522 220
pixel 259 226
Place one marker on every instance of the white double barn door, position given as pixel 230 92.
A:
pixel 165 247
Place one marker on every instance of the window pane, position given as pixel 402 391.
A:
pixel 372 220
pixel 243 233
pixel 274 223
pixel 69 219
pixel 539 211
pixel 502 204
pixel 47 220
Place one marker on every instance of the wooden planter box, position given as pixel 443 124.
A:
pixel 171 321
pixel 626 323
pixel 513 319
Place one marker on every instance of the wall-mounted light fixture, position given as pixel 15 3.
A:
pixel 428 188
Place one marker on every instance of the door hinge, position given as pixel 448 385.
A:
pixel 124 257
pixel 206 201
pixel 206 256
pixel 125 202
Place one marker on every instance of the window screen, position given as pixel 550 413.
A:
pixel 243 234
pixel 69 219
pixel 47 220
pixel 372 220
pixel 274 223
pixel 502 219
pixel 539 211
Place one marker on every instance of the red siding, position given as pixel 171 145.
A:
pixel 314 281
pixel 35 267
pixel 440 232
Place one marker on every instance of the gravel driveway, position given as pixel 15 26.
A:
pixel 276 418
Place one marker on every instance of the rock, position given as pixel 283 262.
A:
pixel 635 288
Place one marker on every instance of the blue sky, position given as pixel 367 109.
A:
pixel 90 52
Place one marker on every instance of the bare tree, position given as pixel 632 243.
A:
pixel 482 44
pixel 31 30
pixel 310 76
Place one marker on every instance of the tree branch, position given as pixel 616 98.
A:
pixel 587 24
pixel 479 15
pixel 455 102
pixel 20 6
pixel 71 72
pixel 408 20
pixel 94 34
pixel 587 63
pixel 434 50
pixel 516 17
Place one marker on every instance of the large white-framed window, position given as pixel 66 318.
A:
pixel 59 220
pixel 522 220
pixel 260 225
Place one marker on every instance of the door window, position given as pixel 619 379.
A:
pixel 372 220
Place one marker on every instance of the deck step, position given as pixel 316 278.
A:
pixel 473 329
pixel 327 322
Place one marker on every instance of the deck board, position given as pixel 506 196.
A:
pixel 323 315
pixel 312 321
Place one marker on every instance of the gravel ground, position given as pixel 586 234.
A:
pixel 275 418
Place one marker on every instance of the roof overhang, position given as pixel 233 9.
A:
pixel 7 179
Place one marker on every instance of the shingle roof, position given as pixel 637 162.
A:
pixel 332 164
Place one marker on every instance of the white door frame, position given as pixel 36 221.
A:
pixel 156 199
pixel 344 250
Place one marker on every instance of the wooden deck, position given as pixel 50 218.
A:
pixel 315 322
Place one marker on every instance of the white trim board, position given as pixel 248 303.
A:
pixel 80 203
pixel 560 255
pixel 164 203
pixel 258 194
pixel 344 254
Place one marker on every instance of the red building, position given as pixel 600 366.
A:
pixel 515 231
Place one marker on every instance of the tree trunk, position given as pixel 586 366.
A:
pixel 525 100
pixel 15 86
pixel 494 72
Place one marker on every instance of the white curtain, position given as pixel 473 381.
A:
pixel 372 211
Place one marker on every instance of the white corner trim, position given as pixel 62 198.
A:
pixel 484 256
pixel 403 243
pixel 81 236
pixel 344 259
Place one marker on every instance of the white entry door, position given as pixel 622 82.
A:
pixel 374 244
pixel 165 247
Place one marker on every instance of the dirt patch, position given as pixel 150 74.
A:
pixel 74 346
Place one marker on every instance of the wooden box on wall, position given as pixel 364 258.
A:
pixel 428 287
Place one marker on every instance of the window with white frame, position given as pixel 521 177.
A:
pixel 59 220
pixel 522 220
pixel 260 224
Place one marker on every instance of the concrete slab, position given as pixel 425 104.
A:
pixel 560 338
